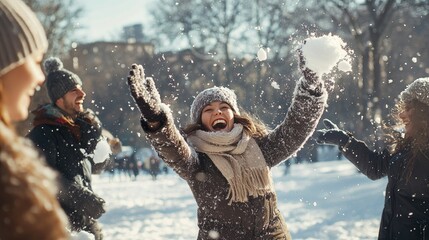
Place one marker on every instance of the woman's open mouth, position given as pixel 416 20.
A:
pixel 219 124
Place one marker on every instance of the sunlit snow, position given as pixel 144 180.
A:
pixel 325 200
pixel 81 236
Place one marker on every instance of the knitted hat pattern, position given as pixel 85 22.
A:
pixel 419 90
pixel 222 94
pixel 58 79
pixel 21 34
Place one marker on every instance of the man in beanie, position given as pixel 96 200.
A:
pixel 67 134
pixel 406 164
pixel 28 205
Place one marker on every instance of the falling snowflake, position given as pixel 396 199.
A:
pixel 275 85
pixel 262 55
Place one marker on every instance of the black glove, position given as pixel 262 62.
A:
pixel 309 75
pixel 145 94
pixel 91 205
pixel 332 135
pixel 79 200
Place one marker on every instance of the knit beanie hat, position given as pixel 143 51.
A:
pixel 419 90
pixel 21 34
pixel 58 79
pixel 210 95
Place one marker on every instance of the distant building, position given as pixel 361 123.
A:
pixel 105 57
pixel 133 33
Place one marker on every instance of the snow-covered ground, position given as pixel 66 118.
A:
pixel 325 200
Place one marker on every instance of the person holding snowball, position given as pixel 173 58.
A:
pixel 406 164
pixel 68 136
pixel 225 155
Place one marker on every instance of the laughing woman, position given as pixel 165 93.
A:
pixel 406 208
pixel 226 155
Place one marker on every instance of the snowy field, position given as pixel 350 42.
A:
pixel 325 200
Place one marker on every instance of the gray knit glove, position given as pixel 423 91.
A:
pixel 145 94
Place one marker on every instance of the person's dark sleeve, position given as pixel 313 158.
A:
pixel 170 145
pixel 90 134
pixel 373 164
pixel 44 139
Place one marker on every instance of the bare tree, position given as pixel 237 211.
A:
pixel 215 27
pixel 230 32
pixel 370 25
pixel 59 18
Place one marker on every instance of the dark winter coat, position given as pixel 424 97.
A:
pixel 406 207
pixel 67 145
pixel 259 217
pixel 28 207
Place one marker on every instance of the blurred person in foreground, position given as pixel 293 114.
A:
pixel 68 135
pixel 406 164
pixel 28 206
pixel 226 155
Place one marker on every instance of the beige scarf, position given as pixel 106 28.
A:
pixel 238 158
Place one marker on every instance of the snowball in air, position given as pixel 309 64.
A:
pixel 323 53
pixel 262 55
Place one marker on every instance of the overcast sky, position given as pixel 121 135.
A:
pixel 103 19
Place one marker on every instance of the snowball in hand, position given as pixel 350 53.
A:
pixel 102 151
pixel 323 53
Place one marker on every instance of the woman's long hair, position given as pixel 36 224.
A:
pixel 416 141
pixel 251 124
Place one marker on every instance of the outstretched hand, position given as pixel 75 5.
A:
pixel 331 135
pixel 144 93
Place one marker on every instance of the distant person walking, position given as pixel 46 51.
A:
pixel 406 164
pixel 133 165
pixel 154 165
